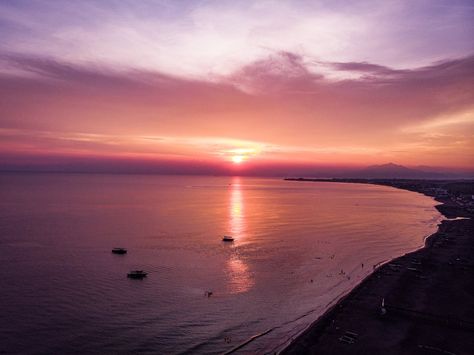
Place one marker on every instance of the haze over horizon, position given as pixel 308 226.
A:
pixel 258 87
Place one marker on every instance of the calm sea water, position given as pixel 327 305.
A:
pixel 63 291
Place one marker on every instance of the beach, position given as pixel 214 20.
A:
pixel 419 303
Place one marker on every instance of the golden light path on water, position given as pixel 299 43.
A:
pixel 240 279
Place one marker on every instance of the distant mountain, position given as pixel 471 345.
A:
pixel 394 171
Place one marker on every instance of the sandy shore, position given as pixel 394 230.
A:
pixel 428 296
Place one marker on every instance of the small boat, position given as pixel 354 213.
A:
pixel 119 251
pixel 227 238
pixel 137 274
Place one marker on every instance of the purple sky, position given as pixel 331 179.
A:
pixel 270 84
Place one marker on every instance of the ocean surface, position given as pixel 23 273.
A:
pixel 298 247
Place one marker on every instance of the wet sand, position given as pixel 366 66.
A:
pixel 428 296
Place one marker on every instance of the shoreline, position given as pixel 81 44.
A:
pixel 417 290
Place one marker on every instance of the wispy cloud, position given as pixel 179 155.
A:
pixel 195 38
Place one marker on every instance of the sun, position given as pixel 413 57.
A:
pixel 237 159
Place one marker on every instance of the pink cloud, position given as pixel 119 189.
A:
pixel 280 101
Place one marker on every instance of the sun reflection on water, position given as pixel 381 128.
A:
pixel 240 278
pixel 237 219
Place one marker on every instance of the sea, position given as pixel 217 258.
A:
pixel 298 247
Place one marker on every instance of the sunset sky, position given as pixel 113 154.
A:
pixel 231 86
